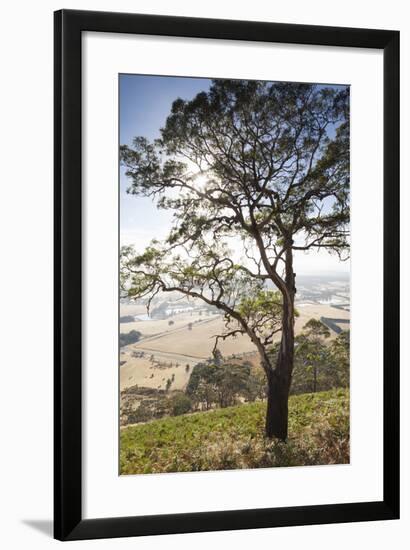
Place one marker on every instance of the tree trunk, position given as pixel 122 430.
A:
pixel 279 379
pixel 277 408
pixel 314 379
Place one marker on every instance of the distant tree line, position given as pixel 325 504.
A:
pixel 129 338
pixel 127 319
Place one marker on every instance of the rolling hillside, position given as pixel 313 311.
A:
pixel 232 438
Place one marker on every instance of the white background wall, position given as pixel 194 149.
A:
pixel 26 110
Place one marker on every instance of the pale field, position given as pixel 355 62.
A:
pixel 140 309
pixel 139 371
pixel 177 344
pixel 132 309
pixel 316 311
pixel 160 326
pixel 197 342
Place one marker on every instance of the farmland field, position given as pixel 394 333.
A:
pixel 144 372
pixel 189 340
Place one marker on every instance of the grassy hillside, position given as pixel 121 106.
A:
pixel 232 438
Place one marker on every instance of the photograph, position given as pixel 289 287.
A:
pixel 209 225
pixel 234 274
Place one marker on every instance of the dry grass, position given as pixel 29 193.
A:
pixel 160 326
pixel 197 342
pixel 142 372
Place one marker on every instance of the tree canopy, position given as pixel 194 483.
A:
pixel 258 166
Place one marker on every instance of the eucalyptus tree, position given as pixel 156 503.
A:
pixel 254 165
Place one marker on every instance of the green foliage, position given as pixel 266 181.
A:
pixel 319 366
pixel 315 329
pixel 218 384
pixel 265 302
pixel 257 385
pixel 263 311
pixel 340 357
pixel 129 338
pixel 233 438
pixel 180 403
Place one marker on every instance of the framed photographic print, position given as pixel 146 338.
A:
pixel 226 275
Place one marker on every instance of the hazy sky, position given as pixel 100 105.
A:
pixel 145 102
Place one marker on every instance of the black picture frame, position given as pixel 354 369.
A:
pixel 68 521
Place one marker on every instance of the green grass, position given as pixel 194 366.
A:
pixel 232 438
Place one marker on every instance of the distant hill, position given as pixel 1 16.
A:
pixel 232 438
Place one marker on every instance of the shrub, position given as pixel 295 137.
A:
pixel 129 338
pixel 127 319
pixel 180 404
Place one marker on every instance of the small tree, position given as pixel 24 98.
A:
pixel 218 384
pixel 180 404
pixel 231 381
pixel 312 358
pixel 340 358
pixel 256 386
pixel 205 395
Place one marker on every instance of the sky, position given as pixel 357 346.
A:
pixel 145 102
